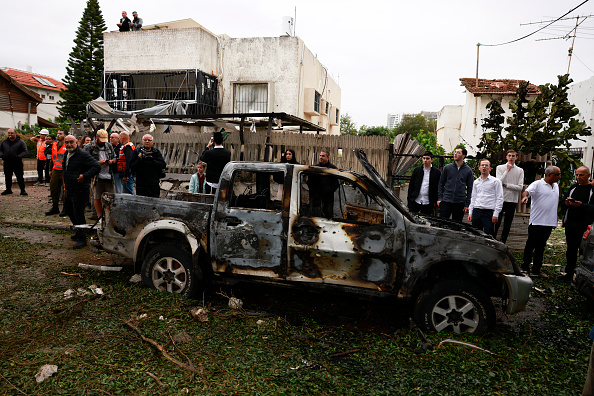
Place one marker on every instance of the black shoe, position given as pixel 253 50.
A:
pixel 52 211
pixel 63 214
pixel 6 192
pixel 80 244
pixel 24 193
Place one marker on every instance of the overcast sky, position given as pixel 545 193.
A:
pixel 388 56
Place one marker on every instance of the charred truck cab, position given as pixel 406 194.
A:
pixel 318 228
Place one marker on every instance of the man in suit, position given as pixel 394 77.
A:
pixel 422 190
pixel 216 157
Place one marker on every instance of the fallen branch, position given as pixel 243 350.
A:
pixel 66 273
pixel 161 350
pixel 466 344
pixel 343 353
pixel 9 383
pixel 153 376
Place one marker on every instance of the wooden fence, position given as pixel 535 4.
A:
pixel 182 149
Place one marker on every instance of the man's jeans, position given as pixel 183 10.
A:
pixel 128 187
pixel 117 182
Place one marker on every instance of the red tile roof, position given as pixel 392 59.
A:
pixel 497 86
pixel 27 79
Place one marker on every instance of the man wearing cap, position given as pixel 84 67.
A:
pixel 103 152
pixel 12 150
pixel 41 158
pixel 136 22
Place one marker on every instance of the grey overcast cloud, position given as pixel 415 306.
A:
pixel 387 56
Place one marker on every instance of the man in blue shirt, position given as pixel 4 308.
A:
pixel 454 190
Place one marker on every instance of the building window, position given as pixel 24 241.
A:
pixel 51 97
pixel 42 96
pixel 337 116
pixel 327 108
pixel 250 98
pixel 317 100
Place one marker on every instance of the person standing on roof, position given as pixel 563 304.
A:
pixel 136 24
pixel 41 158
pixel 124 24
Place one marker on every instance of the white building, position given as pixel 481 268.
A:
pixel 394 119
pixel 46 87
pixel 462 124
pixel 581 95
pixel 219 74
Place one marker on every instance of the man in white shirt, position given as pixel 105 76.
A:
pixel 486 201
pixel 543 217
pixel 512 179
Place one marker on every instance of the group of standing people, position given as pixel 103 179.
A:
pixel 489 199
pixel 126 25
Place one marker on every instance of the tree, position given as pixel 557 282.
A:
pixel 493 123
pixel 85 64
pixel 347 125
pixel 376 131
pixel 429 141
pixel 413 124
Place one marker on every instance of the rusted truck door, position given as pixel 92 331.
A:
pixel 340 232
pixel 247 232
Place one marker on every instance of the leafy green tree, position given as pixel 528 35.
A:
pixel 376 131
pixel 85 65
pixel 494 123
pixel 413 124
pixel 347 125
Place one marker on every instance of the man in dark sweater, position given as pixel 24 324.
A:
pixel 455 187
pixel 578 206
pixel 12 150
pixel 79 168
pixel 148 164
pixel 216 159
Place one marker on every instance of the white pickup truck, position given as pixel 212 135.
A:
pixel 266 225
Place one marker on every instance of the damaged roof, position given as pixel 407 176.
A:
pixel 496 86
pixel 34 80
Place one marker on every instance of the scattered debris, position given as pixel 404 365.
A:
pixel 182 337
pixel 82 292
pixel 200 313
pixel 153 376
pixel 235 303
pixel 45 371
pixel 135 278
pixel 305 364
pixel 259 322
pixel 100 267
pixel 466 344
pixel 343 353
pixel 96 290
pixel 161 317
pixel 69 294
pixel 142 316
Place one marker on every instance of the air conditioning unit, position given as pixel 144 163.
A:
pixel 324 107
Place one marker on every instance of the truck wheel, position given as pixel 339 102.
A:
pixel 168 267
pixel 455 305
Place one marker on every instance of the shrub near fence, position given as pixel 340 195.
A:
pixel 182 149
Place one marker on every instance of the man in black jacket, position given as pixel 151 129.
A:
pixel 148 164
pixel 79 168
pixel 322 188
pixel 12 150
pixel 422 190
pixel 216 159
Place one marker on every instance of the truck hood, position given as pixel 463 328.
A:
pixel 373 175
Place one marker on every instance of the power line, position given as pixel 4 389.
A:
pixel 536 31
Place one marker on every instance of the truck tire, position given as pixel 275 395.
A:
pixel 168 267
pixel 455 305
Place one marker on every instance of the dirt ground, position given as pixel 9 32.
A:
pixel 24 218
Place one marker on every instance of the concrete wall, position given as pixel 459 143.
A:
pixel 168 49
pixel 11 120
pixel 49 108
pixel 448 127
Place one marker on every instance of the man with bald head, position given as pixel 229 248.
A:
pixel 148 164
pixel 543 217
pixel 578 205
pixel 12 150
pixel 79 168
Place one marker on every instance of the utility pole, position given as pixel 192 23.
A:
pixel 478 45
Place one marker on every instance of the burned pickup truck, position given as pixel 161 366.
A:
pixel 269 223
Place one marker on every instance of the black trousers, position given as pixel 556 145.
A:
pixel 148 190
pixel 16 168
pixel 428 209
pixel 447 209
pixel 535 245
pixel 508 211
pixel 573 239
pixel 483 219
pixel 74 206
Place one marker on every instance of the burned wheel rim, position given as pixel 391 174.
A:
pixel 169 275
pixel 455 313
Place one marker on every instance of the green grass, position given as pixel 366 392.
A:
pixel 289 353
